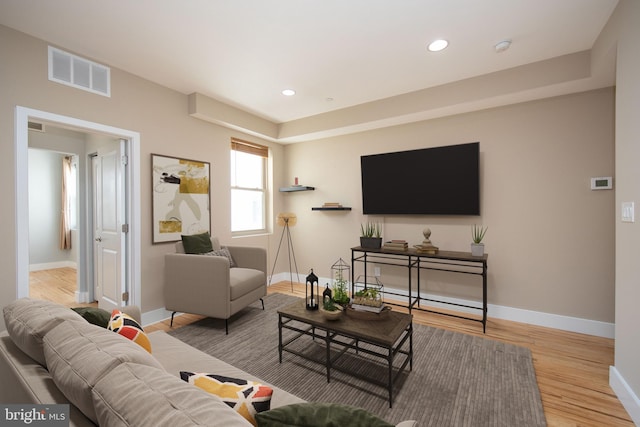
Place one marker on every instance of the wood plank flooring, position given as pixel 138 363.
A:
pixel 58 284
pixel 572 369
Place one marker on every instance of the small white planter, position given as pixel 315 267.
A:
pixel 477 249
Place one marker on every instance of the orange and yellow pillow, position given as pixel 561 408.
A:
pixel 246 397
pixel 125 325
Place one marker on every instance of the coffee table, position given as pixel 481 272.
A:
pixel 384 339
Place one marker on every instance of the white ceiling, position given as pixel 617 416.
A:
pixel 334 53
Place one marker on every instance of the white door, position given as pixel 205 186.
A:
pixel 109 239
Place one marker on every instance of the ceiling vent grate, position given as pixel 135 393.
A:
pixel 72 70
pixel 35 126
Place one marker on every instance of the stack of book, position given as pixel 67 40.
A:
pixel 331 205
pixel 396 245
pixel 426 249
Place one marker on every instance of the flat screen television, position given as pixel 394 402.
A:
pixel 429 181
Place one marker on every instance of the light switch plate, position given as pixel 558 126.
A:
pixel 628 212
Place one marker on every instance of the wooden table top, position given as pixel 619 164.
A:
pixel 384 332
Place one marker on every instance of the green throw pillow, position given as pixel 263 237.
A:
pixel 197 243
pixel 94 315
pixel 318 415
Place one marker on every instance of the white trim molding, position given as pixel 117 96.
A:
pixel 22 117
pixel 538 318
pixel 625 394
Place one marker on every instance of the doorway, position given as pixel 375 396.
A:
pixel 131 218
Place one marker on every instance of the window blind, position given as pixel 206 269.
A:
pixel 249 147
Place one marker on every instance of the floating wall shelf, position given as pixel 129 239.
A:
pixel 342 208
pixel 296 188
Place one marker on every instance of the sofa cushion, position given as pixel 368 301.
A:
pixel 245 280
pixel 174 356
pixel 197 243
pixel 138 395
pixel 245 397
pixel 28 320
pixel 94 315
pixel 125 325
pixel 319 415
pixel 78 354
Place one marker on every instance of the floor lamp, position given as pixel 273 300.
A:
pixel 286 220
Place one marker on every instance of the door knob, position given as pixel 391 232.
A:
pixel 98 239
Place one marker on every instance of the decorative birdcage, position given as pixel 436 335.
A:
pixel 340 277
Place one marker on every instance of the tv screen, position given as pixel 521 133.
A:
pixel 429 181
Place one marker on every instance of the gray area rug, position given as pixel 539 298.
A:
pixel 457 379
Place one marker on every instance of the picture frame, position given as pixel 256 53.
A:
pixel 181 192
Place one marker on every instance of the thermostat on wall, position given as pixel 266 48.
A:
pixel 602 183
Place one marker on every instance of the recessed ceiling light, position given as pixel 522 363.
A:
pixel 288 92
pixel 502 46
pixel 438 45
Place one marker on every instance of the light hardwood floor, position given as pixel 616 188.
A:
pixel 572 369
pixel 58 284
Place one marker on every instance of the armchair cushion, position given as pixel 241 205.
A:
pixel 244 280
pixel 197 243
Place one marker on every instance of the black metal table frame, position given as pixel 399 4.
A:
pixel 422 261
pixel 333 337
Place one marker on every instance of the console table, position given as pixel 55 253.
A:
pixel 450 261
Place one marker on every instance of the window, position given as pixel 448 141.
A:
pixel 248 186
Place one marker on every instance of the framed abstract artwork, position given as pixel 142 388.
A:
pixel 180 197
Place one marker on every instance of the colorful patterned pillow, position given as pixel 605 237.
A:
pixel 125 325
pixel 245 397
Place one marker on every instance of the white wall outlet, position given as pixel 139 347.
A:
pixel 376 271
pixel 628 212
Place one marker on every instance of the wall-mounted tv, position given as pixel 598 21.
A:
pixel 429 181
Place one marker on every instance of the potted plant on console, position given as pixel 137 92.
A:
pixel 477 234
pixel 370 235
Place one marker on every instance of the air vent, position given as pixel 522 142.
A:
pixel 35 126
pixel 72 70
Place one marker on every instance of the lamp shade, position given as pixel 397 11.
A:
pixel 286 218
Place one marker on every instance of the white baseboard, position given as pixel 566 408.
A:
pixel 549 320
pixel 625 394
pixel 82 297
pixel 52 265
pixel 286 277
pixel 556 321
pixel 155 316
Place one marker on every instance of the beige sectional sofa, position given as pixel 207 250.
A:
pixel 51 355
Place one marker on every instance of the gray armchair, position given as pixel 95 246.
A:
pixel 206 285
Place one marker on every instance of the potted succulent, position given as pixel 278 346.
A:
pixel 370 235
pixel 477 234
